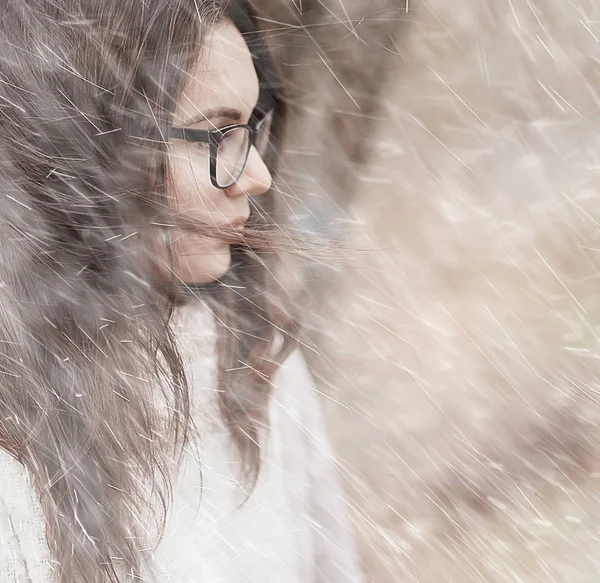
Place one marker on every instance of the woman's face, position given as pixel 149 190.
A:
pixel 225 92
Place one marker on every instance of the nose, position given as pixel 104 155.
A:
pixel 256 178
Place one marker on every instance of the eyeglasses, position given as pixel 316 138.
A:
pixel 230 146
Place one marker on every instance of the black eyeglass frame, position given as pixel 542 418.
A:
pixel 214 138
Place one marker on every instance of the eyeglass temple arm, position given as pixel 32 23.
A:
pixel 189 135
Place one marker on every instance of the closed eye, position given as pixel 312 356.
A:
pixel 202 146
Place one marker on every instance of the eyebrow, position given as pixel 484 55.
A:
pixel 215 113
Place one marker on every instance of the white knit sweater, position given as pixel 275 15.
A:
pixel 292 529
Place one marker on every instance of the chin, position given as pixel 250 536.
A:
pixel 208 267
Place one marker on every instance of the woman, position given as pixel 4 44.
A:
pixel 144 436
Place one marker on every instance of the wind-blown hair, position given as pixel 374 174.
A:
pixel 87 94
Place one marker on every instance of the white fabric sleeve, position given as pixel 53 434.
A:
pixel 24 553
pixel 334 543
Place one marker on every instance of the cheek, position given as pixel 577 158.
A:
pixel 192 190
pixel 197 259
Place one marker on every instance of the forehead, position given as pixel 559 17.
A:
pixel 224 76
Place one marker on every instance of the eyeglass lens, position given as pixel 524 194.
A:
pixel 234 148
pixel 232 155
pixel 263 134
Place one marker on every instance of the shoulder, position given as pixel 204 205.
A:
pixel 24 554
pixel 294 373
pixel 18 500
pixel 295 391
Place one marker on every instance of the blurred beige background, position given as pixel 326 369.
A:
pixel 456 146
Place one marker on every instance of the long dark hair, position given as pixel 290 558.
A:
pixel 87 93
